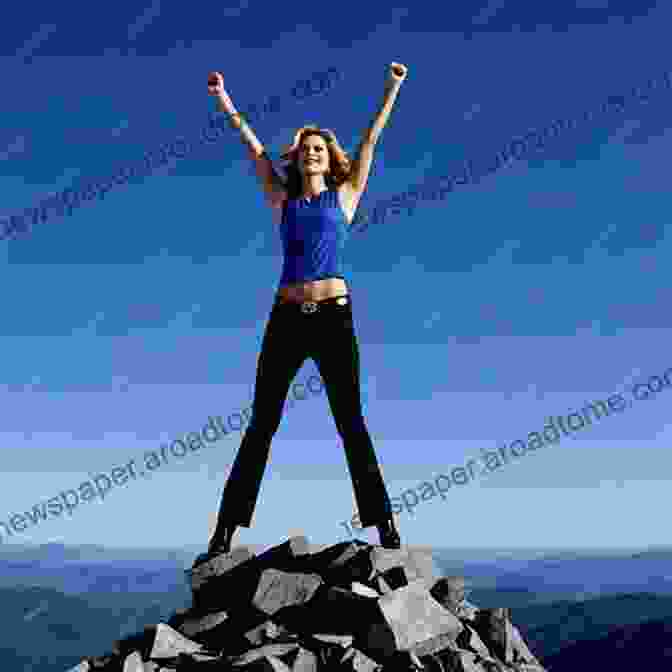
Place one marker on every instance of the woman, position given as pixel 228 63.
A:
pixel 312 315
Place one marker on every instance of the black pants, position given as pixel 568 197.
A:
pixel 326 335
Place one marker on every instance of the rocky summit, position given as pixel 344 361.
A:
pixel 351 607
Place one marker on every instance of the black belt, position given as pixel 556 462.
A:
pixel 308 307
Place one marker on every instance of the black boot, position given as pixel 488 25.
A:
pixel 389 537
pixel 221 541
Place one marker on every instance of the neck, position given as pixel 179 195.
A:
pixel 313 185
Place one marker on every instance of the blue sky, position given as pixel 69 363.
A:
pixel 542 287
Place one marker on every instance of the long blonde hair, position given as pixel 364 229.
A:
pixel 339 161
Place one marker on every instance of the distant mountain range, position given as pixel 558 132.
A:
pixel 60 554
pixel 575 575
pixel 550 628
pixel 45 630
pixel 645 646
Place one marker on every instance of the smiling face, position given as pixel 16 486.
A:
pixel 313 156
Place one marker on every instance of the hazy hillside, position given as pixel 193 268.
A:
pixel 574 575
pixel 91 554
pixel 50 631
pixel 81 579
pixel 646 646
pixel 548 628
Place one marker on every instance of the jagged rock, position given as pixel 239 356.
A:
pixel 521 652
pixel 382 586
pixel 470 640
pixel 200 657
pixel 393 578
pixel 139 641
pixel 353 565
pixel 265 632
pixel 231 636
pixel 339 640
pixel 380 569
pixel 432 663
pixel 277 664
pixel 203 572
pixel 467 661
pixel 278 589
pixel 361 589
pixel 351 607
pixel 413 616
pixel 328 649
pixel 327 561
pixel 285 556
pixel 334 611
pixel 194 625
pixel 235 582
pixel 434 644
pixel 492 625
pixel 82 667
pixel 449 592
pixel 417 565
pixel 467 611
pixel 355 660
pixel 180 616
pixel 169 643
pixel 102 663
pixel 276 650
pixel 264 664
pixel 305 661
pixel 133 663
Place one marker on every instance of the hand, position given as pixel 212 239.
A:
pixel 397 73
pixel 216 88
pixel 215 84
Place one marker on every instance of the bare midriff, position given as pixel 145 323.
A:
pixel 314 290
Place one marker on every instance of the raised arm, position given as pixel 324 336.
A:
pixel 271 182
pixel 361 165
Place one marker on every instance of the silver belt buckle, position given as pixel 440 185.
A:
pixel 309 307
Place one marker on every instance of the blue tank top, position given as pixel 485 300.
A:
pixel 313 235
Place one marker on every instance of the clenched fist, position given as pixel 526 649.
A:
pixel 215 84
pixel 397 72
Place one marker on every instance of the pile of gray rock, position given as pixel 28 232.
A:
pixel 351 607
